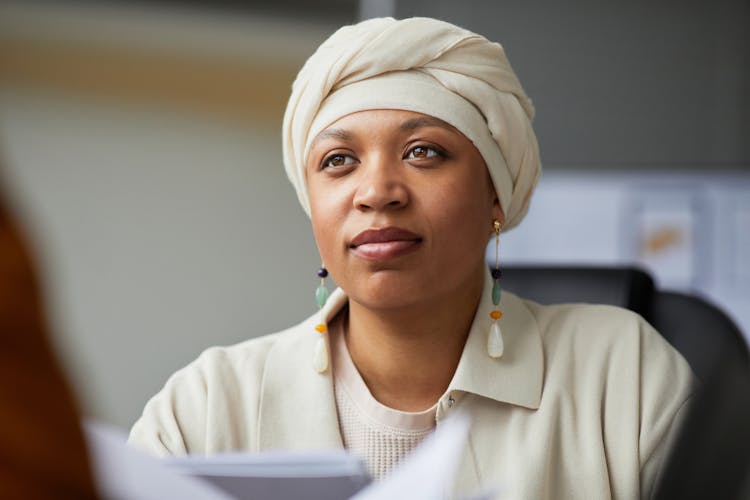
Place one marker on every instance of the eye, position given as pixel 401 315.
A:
pixel 336 160
pixel 423 152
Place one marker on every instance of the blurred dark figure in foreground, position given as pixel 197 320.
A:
pixel 42 450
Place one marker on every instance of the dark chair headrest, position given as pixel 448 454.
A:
pixel 624 287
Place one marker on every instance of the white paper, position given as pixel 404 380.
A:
pixel 279 475
pixel 124 473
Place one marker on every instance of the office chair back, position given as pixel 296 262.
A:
pixel 711 457
pixel 702 333
pixel 624 287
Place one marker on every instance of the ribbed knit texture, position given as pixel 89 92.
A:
pixel 380 435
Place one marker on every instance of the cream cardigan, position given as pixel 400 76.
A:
pixel 582 404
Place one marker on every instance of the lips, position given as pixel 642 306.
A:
pixel 384 243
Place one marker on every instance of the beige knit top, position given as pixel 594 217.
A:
pixel 380 435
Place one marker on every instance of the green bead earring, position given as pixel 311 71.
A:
pixel 495 345
pixel 320 359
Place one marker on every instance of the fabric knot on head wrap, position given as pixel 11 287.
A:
pixel 425 66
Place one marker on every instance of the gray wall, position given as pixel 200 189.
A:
pixel 624 83
pixel 159 234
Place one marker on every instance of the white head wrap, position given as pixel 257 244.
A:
pixel 426 66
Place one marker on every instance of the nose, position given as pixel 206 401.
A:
pixel 382 187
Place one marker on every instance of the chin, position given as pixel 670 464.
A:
pixel 389 302
pixel 389 290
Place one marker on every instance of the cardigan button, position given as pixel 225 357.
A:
pixel 451 401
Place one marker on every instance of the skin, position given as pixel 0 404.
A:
pixel 412 298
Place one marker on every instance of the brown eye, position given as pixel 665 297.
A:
pixel 422 152
pixel 337 160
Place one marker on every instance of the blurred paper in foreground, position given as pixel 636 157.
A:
pixel 123 472
pixel 316 475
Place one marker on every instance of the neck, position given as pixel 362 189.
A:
pixel 407 356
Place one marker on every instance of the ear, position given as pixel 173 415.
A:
pixel 497 210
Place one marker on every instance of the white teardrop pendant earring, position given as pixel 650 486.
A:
pixel 320 358
pixel 495 345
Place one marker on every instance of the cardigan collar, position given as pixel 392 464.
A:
pixel 292 388
pixel 516 377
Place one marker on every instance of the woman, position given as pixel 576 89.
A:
pixel 410 146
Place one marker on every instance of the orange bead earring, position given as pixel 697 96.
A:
pixel 495 345
pixel 320 359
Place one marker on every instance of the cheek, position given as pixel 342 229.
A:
pixel 465 223
pixel 467 207
pixel 322 230
pixel 327 215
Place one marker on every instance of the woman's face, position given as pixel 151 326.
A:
pixel 402 207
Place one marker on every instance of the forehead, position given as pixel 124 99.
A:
pixel 393 120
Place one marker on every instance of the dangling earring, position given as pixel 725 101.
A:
pixel 495 337
pixel 320 359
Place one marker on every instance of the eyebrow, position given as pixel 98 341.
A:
pixel 332 133
pixel 413 124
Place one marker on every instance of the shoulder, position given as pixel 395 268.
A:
pixel 635 385
pixel 219 390
pixel 603 334
pixel 589 320
pixel 237 361
pixel 250 354
pixel 617 345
